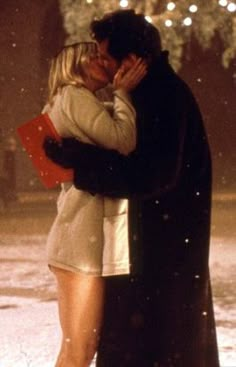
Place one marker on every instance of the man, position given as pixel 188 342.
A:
pixel 161 315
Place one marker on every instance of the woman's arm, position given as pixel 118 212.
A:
pixel 95 122
pixel 116 132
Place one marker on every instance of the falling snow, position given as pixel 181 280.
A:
pixel 28 307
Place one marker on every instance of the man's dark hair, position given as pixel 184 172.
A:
pixel 127 32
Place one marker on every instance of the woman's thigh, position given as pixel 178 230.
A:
pixel 80 300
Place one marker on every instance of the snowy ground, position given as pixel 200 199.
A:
pixel 29 329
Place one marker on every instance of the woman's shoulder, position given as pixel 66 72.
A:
pixel 79 98
pixel 77 91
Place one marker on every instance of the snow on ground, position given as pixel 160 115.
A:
pixel 30 331
pixel 223 270
pixel 29 327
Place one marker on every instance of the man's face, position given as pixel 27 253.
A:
pixel 110 64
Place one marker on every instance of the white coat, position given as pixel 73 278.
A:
pixel 90 233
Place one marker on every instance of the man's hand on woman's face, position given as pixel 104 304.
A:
pixel 129 75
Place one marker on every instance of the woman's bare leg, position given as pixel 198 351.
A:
pixel 80 300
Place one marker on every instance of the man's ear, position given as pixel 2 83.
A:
pixel 129 61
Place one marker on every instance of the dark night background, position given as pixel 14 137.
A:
pixel 31 33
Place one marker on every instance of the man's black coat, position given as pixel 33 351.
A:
pixel 161 315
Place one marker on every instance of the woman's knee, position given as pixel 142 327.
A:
pixel 92 346
pixel 80 353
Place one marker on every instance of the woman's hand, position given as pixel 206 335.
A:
pixel 129 79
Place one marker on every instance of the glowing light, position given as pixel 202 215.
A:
pixel 168 23
pixel 148 18
pixel 171 6
pixel 231 7
pixel 124 3
pixel 223 2
pixel 193 8
pixel 89 1
pixel 187 21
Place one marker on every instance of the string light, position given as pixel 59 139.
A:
pixel 171 16
pixel 223 2
pixel 124 3
pixel 193 8
pixel 148 18
pixel 171 6
pixel 187 21
pixel 168 23
pixel 231 7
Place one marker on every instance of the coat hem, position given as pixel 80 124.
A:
pixel 115 269
pixel 108 270
pixel 74 269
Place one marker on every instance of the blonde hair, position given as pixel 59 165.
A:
pixel 68 67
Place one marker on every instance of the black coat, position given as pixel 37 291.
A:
pixel 161 315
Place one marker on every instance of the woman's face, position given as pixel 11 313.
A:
pixel 97 77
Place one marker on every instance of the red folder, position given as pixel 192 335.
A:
pixel 32 135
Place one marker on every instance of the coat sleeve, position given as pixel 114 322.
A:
pixel 146 173
pixel 116 132
pixel 150 170
pixel 96 169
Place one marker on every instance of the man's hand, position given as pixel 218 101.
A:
pixel 54 150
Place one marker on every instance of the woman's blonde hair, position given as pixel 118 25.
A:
pixel 68 67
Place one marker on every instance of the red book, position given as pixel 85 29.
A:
pixel 32 135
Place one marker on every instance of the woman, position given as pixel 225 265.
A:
pixel 89 237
